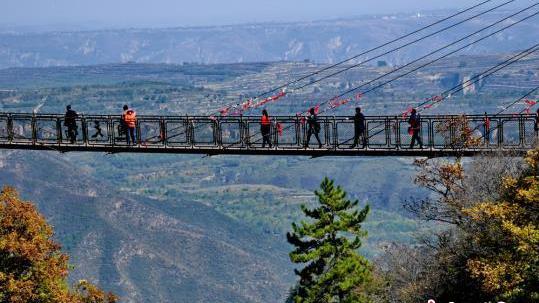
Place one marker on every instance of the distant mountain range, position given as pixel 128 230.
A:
pixel 321 42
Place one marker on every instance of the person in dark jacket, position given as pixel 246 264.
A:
pixel 536 127
pixel 70 122
pixel 415 129
pixel 265 129
pixel 359 129
pixel 314 128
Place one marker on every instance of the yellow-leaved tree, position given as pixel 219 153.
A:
pixel 32 267
pixel 486 245
pixel 509 228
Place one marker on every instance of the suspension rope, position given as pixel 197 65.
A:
pixel 228 108
pixel 431 62
pixel 483 75
pixel 480 77
pixel 437 59
pixel 421 39
pixel 518 100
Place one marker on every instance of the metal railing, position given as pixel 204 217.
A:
pixel 242 135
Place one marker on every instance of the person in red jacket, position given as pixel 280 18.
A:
pixel 130 121
pixel 486 126
pixel 265 129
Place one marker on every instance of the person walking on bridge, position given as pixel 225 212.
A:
pixel 359 129
pixel 314 128
pixel 122 128
pixel 130 121
pixel 486 125
pixel 265 129
pixel 70 122
pixel 415 129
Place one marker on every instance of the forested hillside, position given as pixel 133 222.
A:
pixel 147 250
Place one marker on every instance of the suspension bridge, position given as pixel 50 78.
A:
pixel 231 130
pixel 384 135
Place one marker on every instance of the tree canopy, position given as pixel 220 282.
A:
pixel 487 245
pixel 32 267
pixel 508 229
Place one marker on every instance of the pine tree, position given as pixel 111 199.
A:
pixel 328 245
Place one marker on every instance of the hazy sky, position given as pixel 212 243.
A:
pixel 146 13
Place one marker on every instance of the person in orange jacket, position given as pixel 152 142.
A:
pixel 130 121
pixel 265 129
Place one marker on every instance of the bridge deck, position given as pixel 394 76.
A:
pixel 386 136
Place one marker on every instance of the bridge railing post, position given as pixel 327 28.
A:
pixel 163 131
pixel 274 135
pixel 397 132
pixel 218 134
pixel 190 132
pixel 9 129
pixel 387 132
pixel 521 131
pixel 500 133
pixel 110 130
pixel 58 130
pixel 33 125
pixel 244 133
pixel 334 132
pixel 430 134
pixel 84 126
pixel 297 128
pixel 326 133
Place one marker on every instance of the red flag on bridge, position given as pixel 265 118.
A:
pixel 224 111
pixel 437 98
pixel 406 113
pixel 530 102
pixel 247 104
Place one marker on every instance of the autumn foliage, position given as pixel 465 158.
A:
pixel 32 267
pixel 510 229
pixel 486 246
